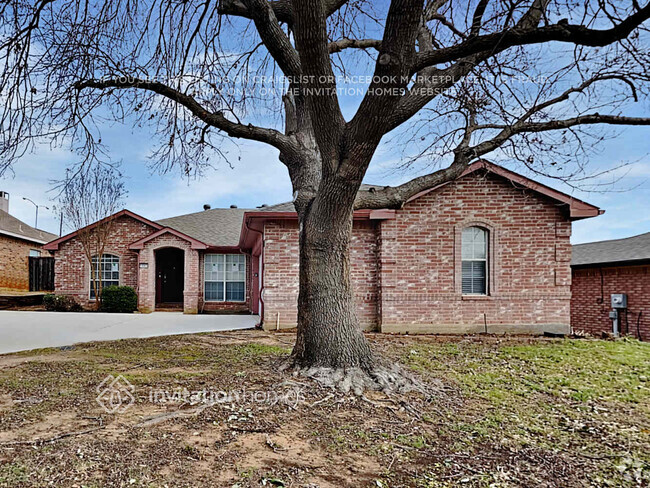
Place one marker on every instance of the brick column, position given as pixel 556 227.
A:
pixel 191 288
pixel 146 280
pixel 386 273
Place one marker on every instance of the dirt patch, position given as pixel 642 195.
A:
pixel 8 361
pixel 6 402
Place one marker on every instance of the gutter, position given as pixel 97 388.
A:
pixel 260 270
pixel 613 264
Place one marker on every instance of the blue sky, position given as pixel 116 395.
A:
pixel 258 177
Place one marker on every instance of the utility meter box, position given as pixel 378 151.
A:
pixel 619 300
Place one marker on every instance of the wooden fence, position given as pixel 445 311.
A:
pixel 41 274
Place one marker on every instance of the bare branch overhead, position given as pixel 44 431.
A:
pixel 215 119
pixel 562 31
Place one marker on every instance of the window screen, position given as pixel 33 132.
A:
pixel 225 277
pixel 474 261
pixel 107 270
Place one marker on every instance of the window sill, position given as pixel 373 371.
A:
pixel 476 297
pixel 223 302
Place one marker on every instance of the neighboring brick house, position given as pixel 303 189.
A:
pixel 603 268
pixel 18 241
pixel 488 251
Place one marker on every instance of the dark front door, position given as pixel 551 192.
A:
pixel 169 275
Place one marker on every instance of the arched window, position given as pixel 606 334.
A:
pixel 107 270
pixel 475 261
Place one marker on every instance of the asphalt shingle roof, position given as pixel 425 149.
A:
pixel 278 207
pixel 288 206
pixel 636 248
pixel 216 227
pixel 222 226
pixel 10 225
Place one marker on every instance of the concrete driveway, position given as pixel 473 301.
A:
pixel 21 331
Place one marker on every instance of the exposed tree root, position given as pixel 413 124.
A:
pixel 386 377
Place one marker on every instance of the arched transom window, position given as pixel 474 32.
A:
pixel 107 270
pixel 475 261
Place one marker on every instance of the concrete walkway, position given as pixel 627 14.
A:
pixel 21 331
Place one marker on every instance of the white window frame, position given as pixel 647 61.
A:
pixel 101 278
pixel 473 259
pixel 34 253
pixel 225 279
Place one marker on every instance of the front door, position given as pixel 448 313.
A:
pixel 170 275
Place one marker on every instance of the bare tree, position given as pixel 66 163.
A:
pixel 526 79
pixel 88 200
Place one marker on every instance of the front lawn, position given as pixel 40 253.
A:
pixel 502 412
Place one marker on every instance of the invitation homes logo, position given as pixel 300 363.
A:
pixel 115 394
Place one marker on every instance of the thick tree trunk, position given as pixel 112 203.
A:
pixel 329 334
pixel 330 345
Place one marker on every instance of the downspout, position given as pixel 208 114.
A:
pixel 260 270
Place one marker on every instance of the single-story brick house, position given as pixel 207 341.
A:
pixel 603 268
pixel 488 251
pixel 18 241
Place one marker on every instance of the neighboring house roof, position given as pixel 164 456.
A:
pixel 11 226
pixel 54 245
pixel 218 227
pixel 628 250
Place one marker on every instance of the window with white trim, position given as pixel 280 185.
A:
pixel 225 277
pixel 34 253
pixel 475 261
pixel 107 270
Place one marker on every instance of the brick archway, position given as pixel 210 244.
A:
pixel 147 272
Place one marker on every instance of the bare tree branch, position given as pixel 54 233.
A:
pixel 318 86
pixel 341 44
pixel 282 9
pixel 215 119
pixel 389 80
pixel 275 40
pixel 563 32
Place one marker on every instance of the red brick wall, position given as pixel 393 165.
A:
pixel 406 271
pixel 590 302
pixel 14 263
pixel 530 256
pixel 281 273
pixel 72 270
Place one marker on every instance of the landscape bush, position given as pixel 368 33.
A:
pixel 60 303
pixel 119 299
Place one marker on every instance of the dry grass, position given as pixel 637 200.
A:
pixel 506 412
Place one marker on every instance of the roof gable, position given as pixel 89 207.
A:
pixel 54 245
pixel 578 209
pixel 195 244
